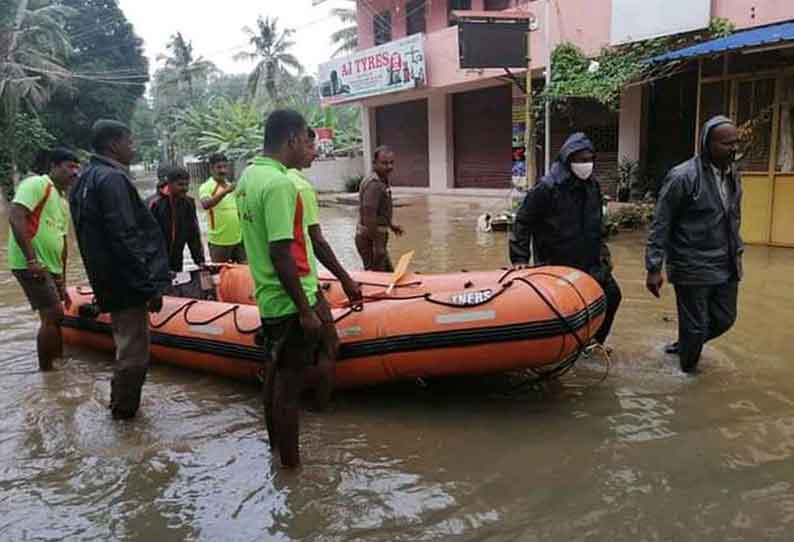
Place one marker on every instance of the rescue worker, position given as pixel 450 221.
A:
pixel 37 248
pixel 175 212
pixel 283 266
pixel 217 198
pixel 696 230
pixel 376 212
pixel 320 379
pixel 562 216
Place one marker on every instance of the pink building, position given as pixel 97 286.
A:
pixel 455 130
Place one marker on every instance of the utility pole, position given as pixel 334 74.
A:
pixel 547 105
pixel 529 136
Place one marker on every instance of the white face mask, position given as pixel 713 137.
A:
pixel 582 170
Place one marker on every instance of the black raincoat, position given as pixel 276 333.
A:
pixel 121 243
pixel 179 224
pixel 692 229
pixel 563 217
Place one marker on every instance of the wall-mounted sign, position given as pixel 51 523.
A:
pixel 391 67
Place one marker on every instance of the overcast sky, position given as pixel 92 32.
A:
pixel 214 27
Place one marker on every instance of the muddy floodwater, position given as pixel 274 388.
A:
pixel 647 455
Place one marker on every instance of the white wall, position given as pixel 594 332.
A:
pixel 330 175
pixel 636 20
pixel 630 123
pixel 440 155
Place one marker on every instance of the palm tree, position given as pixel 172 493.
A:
pixel 272 49
pixel 182 67
pixel 32 54
pixel 33 48
pixel 345 39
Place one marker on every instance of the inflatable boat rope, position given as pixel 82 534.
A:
pixel 560 368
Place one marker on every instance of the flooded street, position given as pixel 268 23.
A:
pixel 648 455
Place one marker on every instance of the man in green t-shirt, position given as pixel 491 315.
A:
pixel 282 264
pixel 217 198
pixel 321 377
pixel 37 248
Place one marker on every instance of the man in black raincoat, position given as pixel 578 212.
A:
pixel 562 215
pixel 125 257
pixel 696 229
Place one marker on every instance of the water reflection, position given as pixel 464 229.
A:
pixel 649 454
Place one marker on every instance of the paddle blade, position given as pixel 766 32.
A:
pixel 400 270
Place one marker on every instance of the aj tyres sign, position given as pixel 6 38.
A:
pixel 391 67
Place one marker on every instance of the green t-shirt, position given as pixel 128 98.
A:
pixel 272 210
pixel 311 207
pixel 49 224
pixel 224 222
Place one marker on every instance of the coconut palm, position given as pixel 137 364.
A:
pixel 32 52
pixel 33 47
pixel 221 125
pixel 345 39
pixel 181 68
pixel 271 48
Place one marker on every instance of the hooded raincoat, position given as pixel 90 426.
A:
pixel 563 217
pixel 693 230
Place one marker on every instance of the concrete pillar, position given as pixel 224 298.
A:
pixel 368 136
pixel 439 139
pixel 630 123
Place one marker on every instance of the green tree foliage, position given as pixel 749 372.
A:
pixel 182 70
pixel 180 85
pixel 303 95
pixel 271 49
pixel 221 125
pixel 574 75
pixel 21 140
pixel 33 49
pixel 145 133
pixel 230 86
pixel 111 72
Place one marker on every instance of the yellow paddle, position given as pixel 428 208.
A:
pixel 399 272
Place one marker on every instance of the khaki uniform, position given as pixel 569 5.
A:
pixel 372 246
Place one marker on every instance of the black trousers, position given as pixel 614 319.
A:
pixel 704 313
pixel 614 297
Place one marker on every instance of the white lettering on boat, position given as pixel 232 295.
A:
pixel 206 330
pixel 353 331
pixel 467 299
pixel 462 317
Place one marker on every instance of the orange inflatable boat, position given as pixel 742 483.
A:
pixel 431 325
pixel 237 285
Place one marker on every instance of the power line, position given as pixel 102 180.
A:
pixel 97 26
pixel 69 75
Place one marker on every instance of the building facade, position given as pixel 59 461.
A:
pixel 455 132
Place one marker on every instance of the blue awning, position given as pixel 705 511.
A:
pixel 766 35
